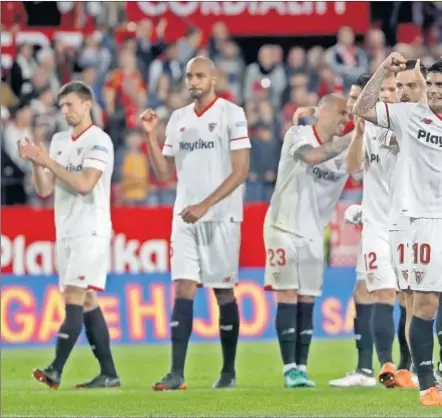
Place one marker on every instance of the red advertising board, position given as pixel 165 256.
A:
pixel 141 240
pixel 248 18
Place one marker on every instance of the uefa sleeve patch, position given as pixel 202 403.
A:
pixel 100 148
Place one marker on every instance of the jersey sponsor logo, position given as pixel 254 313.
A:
pixel 429 138
pixel 100 148
pixel 74 168
pixel 374 158
pixel 325 174
pixel 212 126
pixel 196 145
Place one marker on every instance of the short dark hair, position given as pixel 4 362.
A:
pixel 362 80
pixel 82 90
pixel 411 65
pixel 436 67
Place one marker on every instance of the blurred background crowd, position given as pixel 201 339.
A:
pixel 130 66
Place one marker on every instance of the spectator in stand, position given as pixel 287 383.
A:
pixel 299 97
pixel 147 51
pixel 374 46
pixel 64 61
pixel 158 97
pixel 39 80
pixel 296 61
pixel 219 35
pixel 8 99
pixel 232 64
pixel 315 60
pixel 346 59
pixel 14 169
pixel 22 70
pixel 222 88
pixel 131 172
pixel 45 114
pixel 91 55
pixel 267 72
pixel 189 44
pixel 329 82
pixel 113 92
pixel 167 64
pixel 295 81
pixel 89 76
pixel 46 60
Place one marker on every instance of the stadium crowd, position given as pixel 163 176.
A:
pixel 136 73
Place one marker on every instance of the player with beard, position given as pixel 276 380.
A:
pixel 418 130
pixel 311 176
pixel 78 169
pixel 207 144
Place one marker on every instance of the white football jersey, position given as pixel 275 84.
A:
pixel 305 196
pixel 201 144
pixel 377 170
pixel 77 215
pixel 419 134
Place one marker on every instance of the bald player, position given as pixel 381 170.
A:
pixel 207 144
pixel 311 177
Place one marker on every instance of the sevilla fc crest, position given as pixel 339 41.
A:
pixel 338 163
pixel 212 126
pixel 418 275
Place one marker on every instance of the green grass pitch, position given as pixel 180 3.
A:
pixel 260 389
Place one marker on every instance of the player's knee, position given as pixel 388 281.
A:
pixel 385 296
pixel 91 301
pixel 306 299
pixel 287 296
pixel 425 305
pixel 224 296
pixel 74 295
pixel 185 289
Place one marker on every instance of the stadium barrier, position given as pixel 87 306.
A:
pixel 137 308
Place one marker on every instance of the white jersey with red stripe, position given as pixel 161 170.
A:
pixel 201 144
pixel 419 134
pixel 305 196
pixel 79 215
pixel 380 161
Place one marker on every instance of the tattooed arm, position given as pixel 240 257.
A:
pixel 365 106
pixel 356 154
pixel 317 155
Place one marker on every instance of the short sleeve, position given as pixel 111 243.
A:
pixel 394 116
pixel 97 156
pixel 170 144
pixel 295 138
pixel 238 130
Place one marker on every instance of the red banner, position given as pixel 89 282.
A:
pixel 141 240
pixel 249 18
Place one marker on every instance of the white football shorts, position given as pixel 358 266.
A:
pixel 360 266
pixel 377 259
pixel 426 255
pixel 400 257
pixel 83 262
pixel 293 262
pixel 206 252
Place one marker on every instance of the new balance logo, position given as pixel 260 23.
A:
pixel 307 332
pixel 427 121
pixel 426 363
pixel 429 138
pixel 174 324
pixel 226 327
pixel 63 336
pixel 196 145
pixel 288 331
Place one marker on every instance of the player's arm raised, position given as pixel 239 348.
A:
pixel 355 155
pixel 317 155
pixel 82 182
pixel 43 179
pixel 365 106
pixel 162 160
